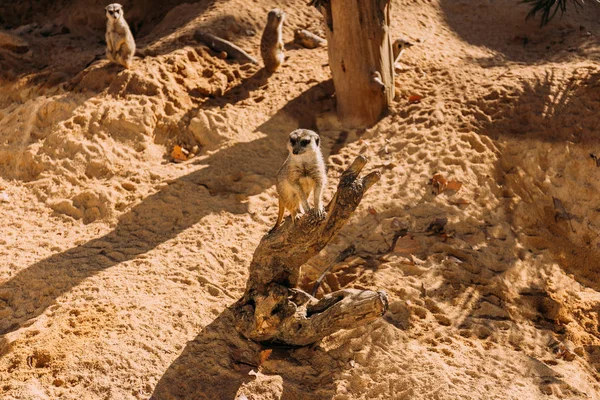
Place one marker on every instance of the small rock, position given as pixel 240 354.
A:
pixel 250 32
pixel 442 319
pixel 128 186
pixel 201 128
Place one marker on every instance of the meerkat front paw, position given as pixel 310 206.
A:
pixel 317 214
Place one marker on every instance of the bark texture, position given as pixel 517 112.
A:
pixel 360 58
pixel 273 309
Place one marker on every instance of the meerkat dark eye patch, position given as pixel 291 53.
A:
pixel 293 142
pixel 305 142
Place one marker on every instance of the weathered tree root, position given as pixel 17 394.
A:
pixel 273 309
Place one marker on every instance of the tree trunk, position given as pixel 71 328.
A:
pixel 273 309
pixel 360 58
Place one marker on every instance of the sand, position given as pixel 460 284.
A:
pixel 117 264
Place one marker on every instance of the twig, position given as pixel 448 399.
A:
pixel 218 44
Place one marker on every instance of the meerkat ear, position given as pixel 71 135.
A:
pixel 317 141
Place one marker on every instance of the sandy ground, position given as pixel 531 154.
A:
pixel 117 265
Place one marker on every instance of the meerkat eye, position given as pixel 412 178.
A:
pixel 293 142
pixel 305 142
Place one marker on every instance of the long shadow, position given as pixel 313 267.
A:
pixel 545 131
pixel 555 113
pixel 156 219
pixel 502 27
pixel 217 363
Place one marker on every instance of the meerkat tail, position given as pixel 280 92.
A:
pixel 280 215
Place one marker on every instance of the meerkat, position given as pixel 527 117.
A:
pixel 302 172
pixel 120 46
pixel 271 43
pixel 398 48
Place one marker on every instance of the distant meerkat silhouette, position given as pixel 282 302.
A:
pixel 120 46
pixel 302 172
pixel 271 43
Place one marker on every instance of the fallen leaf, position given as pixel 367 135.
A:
pixel 437 226
pixel 454 185
pixel 264 355
pixel 415 98
pixel 178 155
pixel 406 245
pixel 439 183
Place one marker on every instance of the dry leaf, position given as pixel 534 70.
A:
pixel 264 355
pixel 439 183
pixel 178 155
pixel 406 245
pixel 415 98
pixel 454 185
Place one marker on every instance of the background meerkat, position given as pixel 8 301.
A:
pixel 120 46
pixel 302 172
pixel 399 46
pixel 271 43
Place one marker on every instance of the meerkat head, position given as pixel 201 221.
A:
pixel 275 17
pixel 114 11
pixel 303 141
pixel 401 44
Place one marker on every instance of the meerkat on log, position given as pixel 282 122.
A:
pixel 302 172
pixel 271 43
pixel 120 46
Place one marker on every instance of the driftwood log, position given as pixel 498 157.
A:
pixel 308 39
pixel 222 45
pixel 273 309
pixel 360 58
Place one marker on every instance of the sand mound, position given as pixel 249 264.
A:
pixel 117 264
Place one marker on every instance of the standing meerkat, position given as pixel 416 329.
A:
pixel 302 172
pixel 271 43
pixel 120 46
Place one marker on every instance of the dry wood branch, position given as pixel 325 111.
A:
pixel 272 308
pixel 218 44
